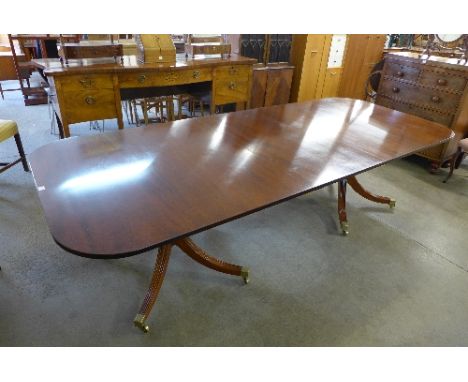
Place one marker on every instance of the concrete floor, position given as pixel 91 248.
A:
pixel 399 278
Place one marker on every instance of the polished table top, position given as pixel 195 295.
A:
pixel 117 194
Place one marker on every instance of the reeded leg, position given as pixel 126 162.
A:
pixel 356 186
pixel 200 256
pixel 157 279
pixel 342 206
pixel 162 260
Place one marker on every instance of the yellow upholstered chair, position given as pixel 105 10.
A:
pixel 9 129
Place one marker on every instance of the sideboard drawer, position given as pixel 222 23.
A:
pixel 411 93
pixel 443 79
pixel 89 105
pixel 164 78
pixel 233 71
pixel 231 91
pixel 86 82
pixel 401 71
pixel 442 118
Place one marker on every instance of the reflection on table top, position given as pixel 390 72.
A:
pixel 119 193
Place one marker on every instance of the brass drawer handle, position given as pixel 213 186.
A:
pixel 141 78
pixel 90 100
pixel 233 71
pixel 395 89
pixel 171 77
pixel 86 83
pixel 400 74
pixel 232 85
pixel 442 82
pixel 196 74
pixel 435 99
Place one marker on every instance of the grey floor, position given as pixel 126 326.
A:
pixel 399 278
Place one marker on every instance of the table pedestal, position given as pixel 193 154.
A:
pixel 162 260
pixel 356 186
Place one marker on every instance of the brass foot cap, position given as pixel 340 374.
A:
pixel 392 203
pixel 139 322
pixel 344 227
pixel 245 275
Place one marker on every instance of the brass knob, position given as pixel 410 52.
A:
pixel 435 99
pixel 86 83
pixel 141 78
pixel 400 74
pixel 441 81
pixel 196 74
pixel 395 89
pixel 90 100
pixel 232 85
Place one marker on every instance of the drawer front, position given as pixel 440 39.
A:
pixel 89 105
pixel 401 71
pixel 231 91
pixel 86 82
pixel 442 118
pixel 425 97
pixel 165 78
pixel 443 79
pixel 233 72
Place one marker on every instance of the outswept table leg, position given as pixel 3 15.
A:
pixel 157 279
pixel 162 260
pixel 357 187
pixel 342 206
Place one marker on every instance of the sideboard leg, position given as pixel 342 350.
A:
pixel 342 206
pixel 200 256
pixel 157 279
pixel 356 186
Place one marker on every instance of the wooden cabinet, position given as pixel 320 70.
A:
pixel 271 84
pixel 434 89
pixel 363 52
pixel 319 66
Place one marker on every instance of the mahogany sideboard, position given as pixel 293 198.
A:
pixel 435 89
pixel 92 89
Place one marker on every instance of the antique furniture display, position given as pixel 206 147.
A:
pixel 201 44
pixel 9 129
pixel 8 71
pixel 435 89
pixel 266 48
pixel 90 49
pixel 271 84
pixel 454 44
pixel 92 89
pixel 122 193
pixel 155 48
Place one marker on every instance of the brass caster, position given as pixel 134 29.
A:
pixel 392 203
pixel 245 275
pixel 139 322
pixel 344 228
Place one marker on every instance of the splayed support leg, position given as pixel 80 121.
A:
pixel 356 186
pixel 162 260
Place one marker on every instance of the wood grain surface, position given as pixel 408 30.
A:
pixel 118 194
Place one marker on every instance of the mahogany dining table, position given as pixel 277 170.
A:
pixel 122 193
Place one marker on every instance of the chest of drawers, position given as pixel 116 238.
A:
pixel 434 89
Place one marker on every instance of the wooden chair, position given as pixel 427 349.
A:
pixel 457 158
pixel 163 106
pixel 9 129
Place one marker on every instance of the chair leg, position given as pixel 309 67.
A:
pixel 21 152
pixel 453 163
pixel 1 91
